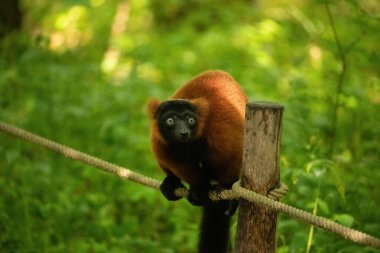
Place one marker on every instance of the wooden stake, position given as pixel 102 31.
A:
pixel 256 228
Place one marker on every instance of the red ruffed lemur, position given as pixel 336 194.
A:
pixel 197 137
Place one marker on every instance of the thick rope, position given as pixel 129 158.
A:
pixel 346 232
pixel 80 156
pixel 236 192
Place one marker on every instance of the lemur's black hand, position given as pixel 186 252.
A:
pixel 198 196
pixel 168 187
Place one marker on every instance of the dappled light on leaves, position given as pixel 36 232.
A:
pixel 70 29
pixel 119 24
pixel 315 53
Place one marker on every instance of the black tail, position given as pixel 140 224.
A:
pixel 215 228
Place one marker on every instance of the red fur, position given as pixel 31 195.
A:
pixel 221 104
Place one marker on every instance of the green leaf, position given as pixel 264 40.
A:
pixel 344 219
pixel 323 206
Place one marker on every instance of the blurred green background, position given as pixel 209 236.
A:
pixel 80 72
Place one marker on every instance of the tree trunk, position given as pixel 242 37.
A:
pixel 256 230
pixel 10 16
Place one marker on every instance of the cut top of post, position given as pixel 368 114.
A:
pixel 264 104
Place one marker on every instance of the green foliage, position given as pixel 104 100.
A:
pixel 77 75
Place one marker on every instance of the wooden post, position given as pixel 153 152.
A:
pixel 256 228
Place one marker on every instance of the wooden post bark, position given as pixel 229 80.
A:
pixel 256 228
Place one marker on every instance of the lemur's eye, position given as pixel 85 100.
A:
pixel 191 121
pixel 170 121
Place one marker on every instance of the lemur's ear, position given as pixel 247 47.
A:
pixel 152 108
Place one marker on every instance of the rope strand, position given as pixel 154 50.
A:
pixel 236 192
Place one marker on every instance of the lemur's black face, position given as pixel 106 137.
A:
pixel 177 121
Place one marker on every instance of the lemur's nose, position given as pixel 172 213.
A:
pixel 185 134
